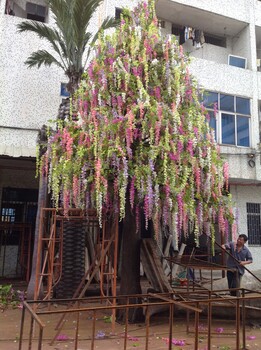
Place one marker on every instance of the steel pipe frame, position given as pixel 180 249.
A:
pixel 235 301
pixel 35 316
pixel 165 299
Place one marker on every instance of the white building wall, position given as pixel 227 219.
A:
pixel 30 97
pixel 241 45
pixel 223 78
pixel 257 12
pixel 243 194
pixel 209 52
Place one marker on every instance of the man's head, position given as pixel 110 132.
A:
pixel 242 239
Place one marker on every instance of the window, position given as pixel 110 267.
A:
pixel 64 92
pixel 35 12
pixel 8 215
pixel 253 223
pixel 215 40
pixel 175 30
pixel 178 31
pixel 229 116
pixel 237 61
pixel 18 204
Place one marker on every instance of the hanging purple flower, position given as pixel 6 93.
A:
pixel 132 192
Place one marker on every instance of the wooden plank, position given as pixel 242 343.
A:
pixel 148 265
pixel 151 261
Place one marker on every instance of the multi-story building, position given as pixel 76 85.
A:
pixel 224 40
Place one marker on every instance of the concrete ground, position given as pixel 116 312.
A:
pixel 106 337
pixel 223 333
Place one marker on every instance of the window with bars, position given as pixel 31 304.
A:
pixel 254 223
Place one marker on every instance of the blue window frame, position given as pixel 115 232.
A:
pixel 210 98
pixel 228 129
pixel 227 103
pixel 231 123
pixel 242 105
pixel 243 131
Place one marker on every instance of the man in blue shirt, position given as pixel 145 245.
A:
pixel 239 256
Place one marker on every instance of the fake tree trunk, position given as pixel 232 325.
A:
pixel 130 267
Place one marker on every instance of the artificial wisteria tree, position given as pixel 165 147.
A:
pixel 141 143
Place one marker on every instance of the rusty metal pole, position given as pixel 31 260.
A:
pixel 188 318
pixel 237 324
pixel 93 329
pixel 31 333
pixel 196 327
pixel 77 327
pixel 21 329
pixel 147 318
pixel 40 341
pixel 209 320
pixel 170 325
pixel 126 323
pixel 243 319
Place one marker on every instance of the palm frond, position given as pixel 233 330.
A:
pixel 70 38
pixel 40 57
pixel 39 28
pixel 62 12
pixel 82 14
pixel 44 32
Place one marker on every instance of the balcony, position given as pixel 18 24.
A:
pixel 222 36
pixel 235 9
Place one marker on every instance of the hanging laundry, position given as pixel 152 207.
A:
pixel 196 37
pixel 199 39
pixel 191 33
pixel 202 38
pixel 186 33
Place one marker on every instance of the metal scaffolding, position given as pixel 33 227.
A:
pixel 50 251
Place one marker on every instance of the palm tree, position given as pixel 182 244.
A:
pixel 71 45
pixel 69 39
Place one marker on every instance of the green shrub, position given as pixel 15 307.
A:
pixel 10 297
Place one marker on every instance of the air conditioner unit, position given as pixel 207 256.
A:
pixel 237 61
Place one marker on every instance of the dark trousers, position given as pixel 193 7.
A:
pixel 234 280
